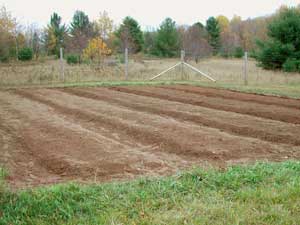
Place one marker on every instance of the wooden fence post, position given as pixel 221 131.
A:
pixel 246 68
pixel 182 55
pixel 126 63
pixel 62 69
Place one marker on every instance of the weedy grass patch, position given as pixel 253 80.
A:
pixel 264 193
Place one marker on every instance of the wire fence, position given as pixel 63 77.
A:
pixel 140 68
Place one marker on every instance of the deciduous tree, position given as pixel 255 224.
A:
pixel 227 38
pixel 149 41
pixel 33 39
pixel 104 25
pixel 224 23
pixel 96 50
pixel 8 35
pixel 195 42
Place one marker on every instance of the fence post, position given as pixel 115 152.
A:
pixel 246 68
pixel 62 69
pixel 126 63
pixel 182 55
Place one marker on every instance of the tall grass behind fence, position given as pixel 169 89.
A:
pixel 228 71
pixel 231 71
pixel 50 73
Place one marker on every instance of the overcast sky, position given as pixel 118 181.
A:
pixel 147 13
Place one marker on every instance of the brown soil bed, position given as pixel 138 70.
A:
pixel 101 134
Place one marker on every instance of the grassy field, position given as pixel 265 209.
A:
pixel 228 72
pixel 264 193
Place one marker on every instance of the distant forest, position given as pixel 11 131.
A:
pixel 84 39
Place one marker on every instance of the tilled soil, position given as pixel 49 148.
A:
pixel 101 134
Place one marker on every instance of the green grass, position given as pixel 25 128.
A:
pixel 3 174
pixel 106 84
pixel 288 90
pixel 264 193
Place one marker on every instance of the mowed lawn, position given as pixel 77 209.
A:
pixel 264 193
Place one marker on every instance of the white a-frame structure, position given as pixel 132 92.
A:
pixel 183 63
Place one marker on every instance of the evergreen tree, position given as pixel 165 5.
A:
pixel 167 42
pixel 55 34
pixel 80 24
pixel 200 25
pixel 130 35
pixel 283 48
pixel 213 29
pixel 81 31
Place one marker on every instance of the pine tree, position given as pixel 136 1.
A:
pixel 80 23
pixel 130 35
pixel 81 31
pixel 55 34
pixel 167 39
pixel 282 50
pixel 213 29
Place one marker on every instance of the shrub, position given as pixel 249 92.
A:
pixel 238 52
pixel 121 58
pixel 4 53
pixel 4 58
pixel 73 59
pixel 25 54
pixel 225 54
pixel 291 65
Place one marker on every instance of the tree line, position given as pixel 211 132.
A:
pixel 272 40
